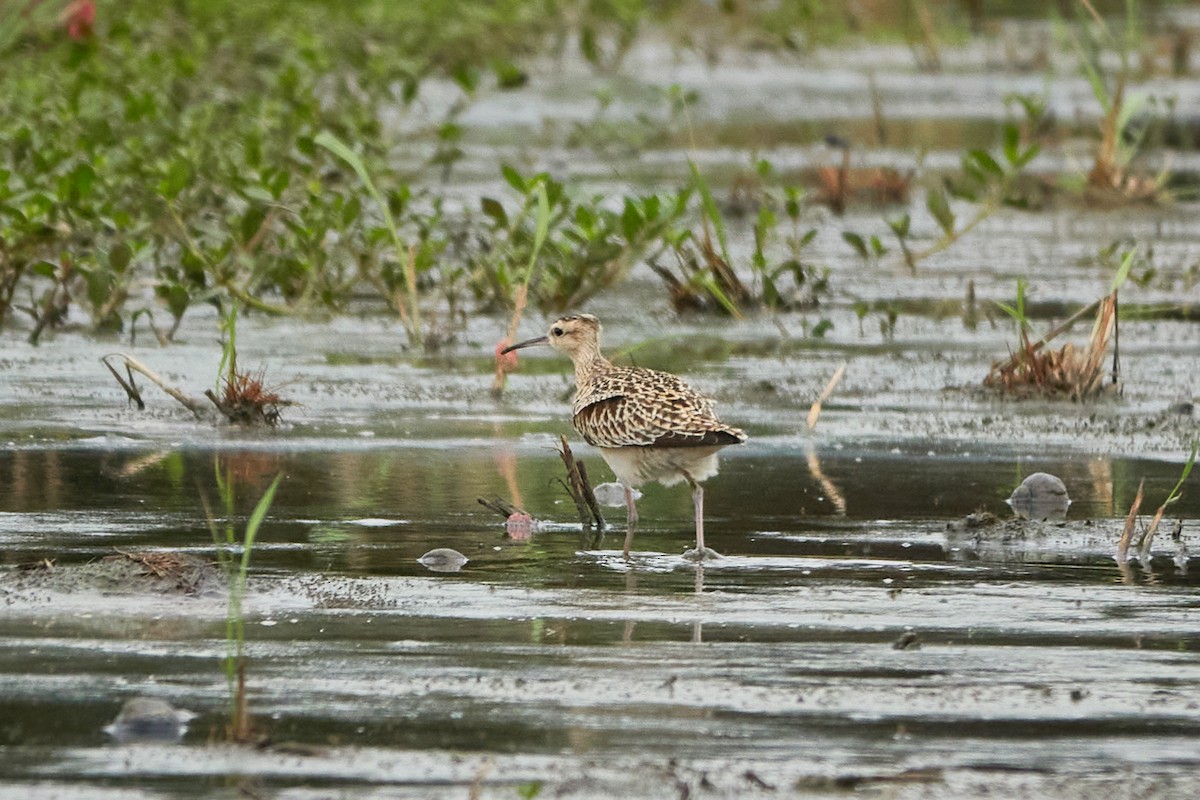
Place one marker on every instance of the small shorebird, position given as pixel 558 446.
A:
pixel 649 425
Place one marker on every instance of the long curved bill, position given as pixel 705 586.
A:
pixel 526 343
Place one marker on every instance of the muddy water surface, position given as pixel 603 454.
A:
pixel 1034 658
pixel 868 630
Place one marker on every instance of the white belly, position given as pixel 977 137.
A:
pixel 636 465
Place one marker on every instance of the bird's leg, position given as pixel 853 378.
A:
pixel 701 552
pixel 631 525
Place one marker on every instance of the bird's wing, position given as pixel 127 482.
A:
pixel 639 407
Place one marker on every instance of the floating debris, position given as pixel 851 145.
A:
pixel 501 506
pixel 443 559
pixel 1041 496
pixel 244 400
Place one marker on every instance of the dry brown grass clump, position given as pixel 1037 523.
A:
pixel 877 186
pixel 1074 372
pixel 245 400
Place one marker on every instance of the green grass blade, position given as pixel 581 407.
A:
pixel 1177 492
pixel 710 209
pixel 541 231
pixel 338 148
pixel 1122 271
pixel 256 518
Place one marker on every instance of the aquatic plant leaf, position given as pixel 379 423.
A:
pixel 1131 106
pixel 632 221
pixel 857 242
pixel 1012 142
pixel 710 208
pixel 514 178
pixel 494 209
pixel 983 159
pixel 939 208
pixel 509 75
pixel 119 256
pixel 1122 273
pixel 177 177
pixel 1030 154
pixel 253 524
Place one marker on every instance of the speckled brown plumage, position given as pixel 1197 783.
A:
pixel 649 425
pixel 637 407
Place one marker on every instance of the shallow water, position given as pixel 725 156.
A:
pixel 1044 668
pixel 555 660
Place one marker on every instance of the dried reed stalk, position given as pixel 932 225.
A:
pixel 814 412
pixel 1130 525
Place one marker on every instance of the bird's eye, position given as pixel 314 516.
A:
pixel 556 332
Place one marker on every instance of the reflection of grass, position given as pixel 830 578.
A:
pixel 239 728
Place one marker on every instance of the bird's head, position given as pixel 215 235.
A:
pixel 572 335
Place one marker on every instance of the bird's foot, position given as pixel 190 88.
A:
pixel 707 554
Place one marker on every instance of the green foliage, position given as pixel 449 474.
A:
pixel 408 304
pixel 171 158
pixel 1016 310
pixel 528 791
pixel 580 244
pixel 706 278
pixel 987 180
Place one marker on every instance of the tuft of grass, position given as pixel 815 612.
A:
pixel 704 278
pixel 1111 178
pixel 408 305
pixel 1147 538
pixel 1077 373
pixel 243 398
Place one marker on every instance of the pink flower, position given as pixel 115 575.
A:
pixel 506 361
pixel 79 16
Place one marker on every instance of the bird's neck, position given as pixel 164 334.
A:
pixel 589 363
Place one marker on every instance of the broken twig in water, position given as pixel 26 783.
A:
pixel 245 400
pixel 501 506
pixel 580 489
pixel 133 365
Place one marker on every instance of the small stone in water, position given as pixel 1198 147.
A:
pixel 443 559
pixel 1040 496
pixel 149 719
